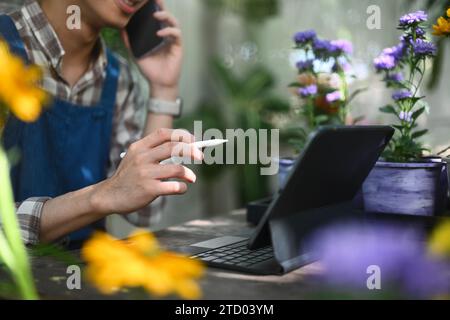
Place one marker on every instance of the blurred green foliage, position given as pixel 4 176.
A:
pixel 244 102
pixel 114 41
pixel 250 10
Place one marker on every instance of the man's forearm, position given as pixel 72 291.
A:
pixel 68 213
pixel 158 121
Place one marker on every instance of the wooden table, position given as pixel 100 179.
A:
pixel 218 284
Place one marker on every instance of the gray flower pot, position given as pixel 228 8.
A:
pixel 419 189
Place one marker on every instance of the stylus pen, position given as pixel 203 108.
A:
pixel 198 145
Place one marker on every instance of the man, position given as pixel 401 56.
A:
pixel 65 156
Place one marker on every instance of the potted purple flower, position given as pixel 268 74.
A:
pixel 321 90
pixel 405 182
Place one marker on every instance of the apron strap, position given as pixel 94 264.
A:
pixel 11 35
pixel 111 82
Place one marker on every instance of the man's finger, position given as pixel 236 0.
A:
pixel 171 188
pixel 165 135
pixel 175 172
pixel 175 149
pixel 167 18
pixel 161 4
pixel 173 33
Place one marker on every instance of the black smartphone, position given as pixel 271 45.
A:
pixel 142 30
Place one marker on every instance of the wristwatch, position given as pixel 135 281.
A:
pixel 172 108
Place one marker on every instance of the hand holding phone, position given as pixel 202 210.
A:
pixel 155 40
pixel 142 31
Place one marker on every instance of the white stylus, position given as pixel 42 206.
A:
pixel 198 145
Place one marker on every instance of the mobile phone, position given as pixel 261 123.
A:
pixel 142 30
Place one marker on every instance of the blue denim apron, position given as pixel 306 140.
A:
pixel 67 149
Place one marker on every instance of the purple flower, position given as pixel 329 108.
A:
pixel 305 36
pixel 324 46
pixel 343 46
pixel 348 251
pixel 420 32
pixel 424 48
pixel 308 91
pixel 333 97
pixel 397 52
pixel 406 116
pixel 413 18
pixel 395 77
pixel 402 95
pixel 384 62
pixel 305 65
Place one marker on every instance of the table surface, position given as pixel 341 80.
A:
pixel 51 275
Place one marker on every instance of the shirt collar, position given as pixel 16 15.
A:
pixel 48 39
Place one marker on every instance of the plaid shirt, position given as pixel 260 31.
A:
pixel 44 49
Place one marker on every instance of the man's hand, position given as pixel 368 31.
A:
pixel 163 67
pixel 140 178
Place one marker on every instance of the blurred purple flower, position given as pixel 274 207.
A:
pixel 420 32
pixel 424 48
pixel 343 46
pixel 402 95
pixel 308 91
pixel 395 77
pixel 324 46
pixel 333 97
pixel 413 18
pixel 397 52
pixel 305 65
pixel 305 36
pixel 406 116
pixel 347 251
pixel 384 62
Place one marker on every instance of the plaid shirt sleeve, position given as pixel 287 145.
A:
pixel 29 215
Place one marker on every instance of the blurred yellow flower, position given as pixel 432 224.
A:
pixel 440 240
pixel 139 262
pixel 19 89
pixel 442 28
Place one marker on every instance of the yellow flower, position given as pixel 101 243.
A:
pixel 19 89
pixel 440 240
pixel 442 28
pixel 139 262
pixel 448 12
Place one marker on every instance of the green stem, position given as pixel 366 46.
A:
pixel 16 255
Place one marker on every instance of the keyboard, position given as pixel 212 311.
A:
pixel 236 254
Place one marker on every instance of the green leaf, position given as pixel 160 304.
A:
pixel 321 119
pixel 295 85
pixel 230 83
pixel 418 113
pixel 358 119
pixel 419 134
pixel 355 94
pixel 388 109
pixel 276 105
